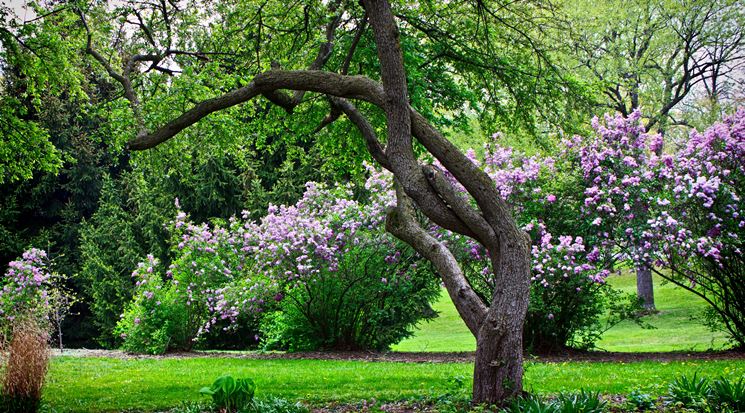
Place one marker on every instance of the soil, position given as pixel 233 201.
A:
pixel 462 357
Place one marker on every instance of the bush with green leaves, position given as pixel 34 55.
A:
pixel 378 290
pixel 229 394
pixel 701 394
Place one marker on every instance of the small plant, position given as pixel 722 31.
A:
pixel 27 361
pixel 275 405
pixel 689 392
pixel 640 401
pixel 729 394
pixel 582 402
pixel 531 404
pixel 229 394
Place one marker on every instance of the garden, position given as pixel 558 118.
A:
pixel 338 206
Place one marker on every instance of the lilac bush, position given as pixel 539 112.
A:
pixel 621 176
pixel 568 296
pixel 700 222
pixel 328 253
pixel 25 291
pixel 32 292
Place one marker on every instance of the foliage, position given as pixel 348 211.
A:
pixel 673 60
pixel 580 402
pixel 639 400
pixel 702 394
pixel 32 293
pixel 229 394
pixel 729 393
pixel 274 405
pixel 568 296
pixel 703 227
pixel 26 360
pixel 109 250
pixel 689 391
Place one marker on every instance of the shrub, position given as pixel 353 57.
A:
pixel 229 394
pixel 703 226
pixel 32 293
pixel 326 264
pixel 153 322
pixel 568 294
pixel 369 301
pixel 27 360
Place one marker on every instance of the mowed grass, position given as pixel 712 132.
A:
pixel 675 329
pixel 80 384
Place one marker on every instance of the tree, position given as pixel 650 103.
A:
pixel 497 324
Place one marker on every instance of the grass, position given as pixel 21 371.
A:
pixel 675 330
pixel 107 385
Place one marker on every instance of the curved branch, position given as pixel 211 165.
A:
pixel 368 133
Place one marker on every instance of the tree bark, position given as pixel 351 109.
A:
pixel 498 370
pixel 645 287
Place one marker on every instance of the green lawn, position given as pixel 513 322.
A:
pixel 675 331
pixel 104 384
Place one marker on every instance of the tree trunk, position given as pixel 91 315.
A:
pixel 498 370
pixel 645 287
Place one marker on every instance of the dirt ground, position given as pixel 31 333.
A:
pixel 462 357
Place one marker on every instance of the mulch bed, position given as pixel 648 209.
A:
pixel 461 357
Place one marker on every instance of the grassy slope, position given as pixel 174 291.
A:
pixel 675 330
pixel 102 384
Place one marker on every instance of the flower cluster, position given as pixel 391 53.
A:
pixel 554 262
pixel 622 174
pixel 702 212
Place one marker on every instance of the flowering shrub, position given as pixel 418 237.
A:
pixel 621 180
pixel 31 293
pixel 25 291
pixel 326 262
pixel 568 294
pixel 700 221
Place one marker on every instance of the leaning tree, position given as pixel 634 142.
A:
pixel 424 194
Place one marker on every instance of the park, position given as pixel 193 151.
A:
pixel 331 206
